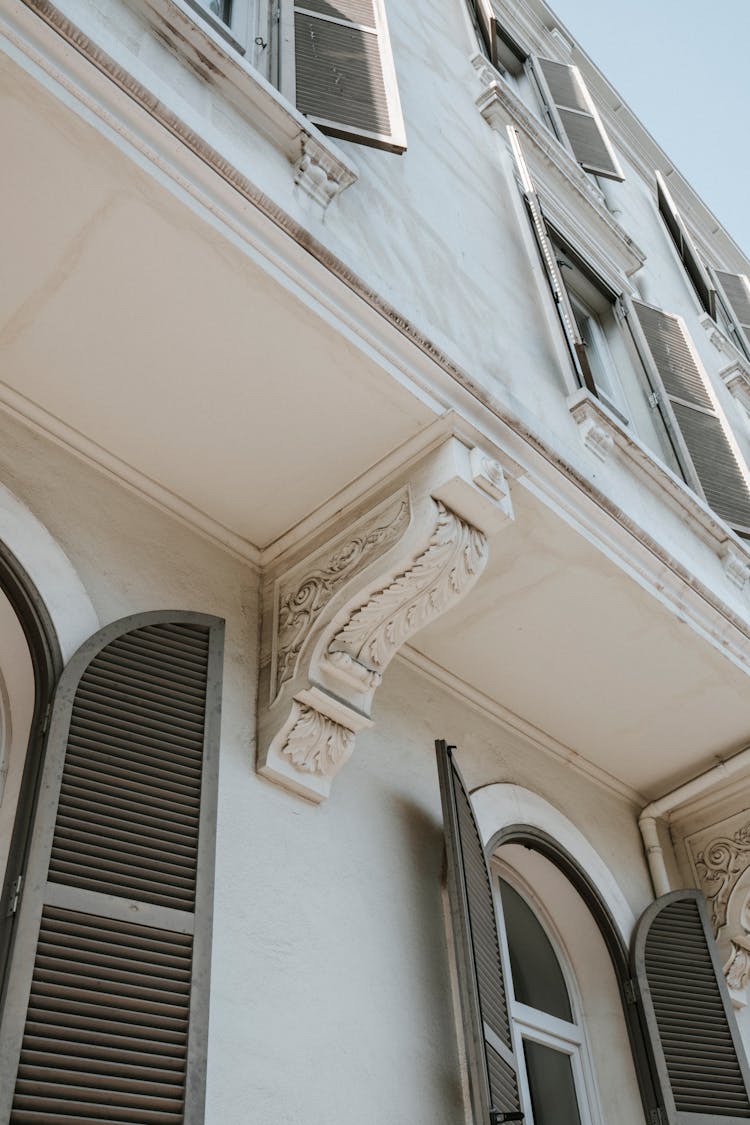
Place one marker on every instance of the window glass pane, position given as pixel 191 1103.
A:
pixel 219 8
pixel 553 1092
pixel 537 977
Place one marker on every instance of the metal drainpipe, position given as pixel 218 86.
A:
pixel 647 821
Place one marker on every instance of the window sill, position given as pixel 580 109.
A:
pixel 605 437
pixel 321 169
pixel 570 200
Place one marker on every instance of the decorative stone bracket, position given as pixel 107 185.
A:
pixel 337 611
pixel 723 868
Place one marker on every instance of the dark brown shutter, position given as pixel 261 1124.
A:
pixel 714 455
pixel 344 72
pixel 735 289
pixel 118 884
pixel 694 1038
pixel 548 257
pixel 576 117
pixel 484 1009
pixel 685 247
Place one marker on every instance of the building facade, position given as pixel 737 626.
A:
pixel 374 517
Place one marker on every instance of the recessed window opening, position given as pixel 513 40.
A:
pixel 511 58
pixel 546 1021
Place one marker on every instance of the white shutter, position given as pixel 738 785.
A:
pixel 685 246
pixel 345 78
pixel 715 457
pixel 105 1016
pixel 486 19
pixel 484 1008
pixel 692 1031
pixel 576 117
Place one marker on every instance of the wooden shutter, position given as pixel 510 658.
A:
pixel 685 246
pixel 105 1018
pixel 718 465
pixel 344 72
pixel 487 23
pixel 576 117
pixel 694 1039
pixel 735 289
pixel 484 1009
pixel 572 334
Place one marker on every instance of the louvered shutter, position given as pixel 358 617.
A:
pixel 345 77
pixel 735 288
pixel 685 246
pixel 694 1039
pixel 487 24
pixel 484 1010
pixel 548 257
pixel 576 117
pixel 714 455
pixel 107 1020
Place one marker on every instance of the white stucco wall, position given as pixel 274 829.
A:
pixel 330 990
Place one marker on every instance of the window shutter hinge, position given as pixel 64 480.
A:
pixel 630 993
pixel 653 400
pixel 656 1117
pixel 15 894
pixel 497 1116
pixel 47 716
pixel 622 308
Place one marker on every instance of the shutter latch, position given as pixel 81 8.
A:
pixel 497 1116
pixel 630 993
pixel 15 894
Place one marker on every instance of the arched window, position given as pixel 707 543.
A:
pixel 554 1072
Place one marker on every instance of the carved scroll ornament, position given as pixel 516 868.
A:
pixel 720 865
pixel 341 615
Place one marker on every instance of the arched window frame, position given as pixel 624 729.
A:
pixel 532 1023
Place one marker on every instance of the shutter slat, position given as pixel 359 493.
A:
pixel 685 246
pixel 344 74
pixel 693 1034
pixel 735 288
pixel 483 998
pixel 716 460
pixel 575 113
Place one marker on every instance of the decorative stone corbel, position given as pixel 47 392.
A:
pixel 319 174
pixel 737 381
pixel 736 565
pixel 595 424
pixel 337 610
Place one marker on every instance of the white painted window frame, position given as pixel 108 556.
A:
pixel 531 1023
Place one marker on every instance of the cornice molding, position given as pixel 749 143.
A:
pixel 570 199
pixel 334 620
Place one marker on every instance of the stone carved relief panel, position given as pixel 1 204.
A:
pixel 720 857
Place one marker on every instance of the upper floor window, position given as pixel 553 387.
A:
pixel 331 58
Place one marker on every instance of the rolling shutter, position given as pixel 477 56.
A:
pixel 735 289
pixel 344 73
pixel 714 456
pixel 576 117
pixel 572 334
pixel 685 246
pixel 484 1010
pixel 694 1038
pixel 107 1020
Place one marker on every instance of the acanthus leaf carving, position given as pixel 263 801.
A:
pixel 737 968
pixel 453 560
pixel 316 743
pixel 301 602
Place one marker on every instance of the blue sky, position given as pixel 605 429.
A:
pixel 683 66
